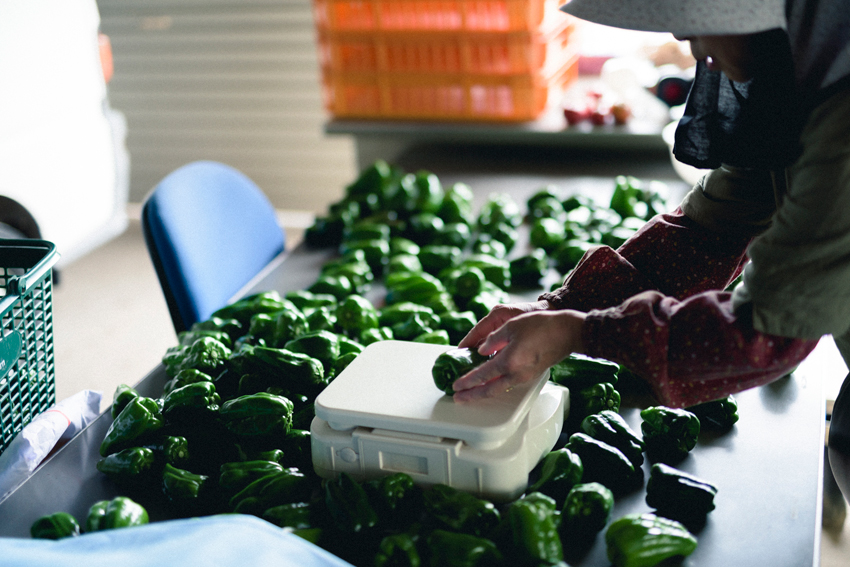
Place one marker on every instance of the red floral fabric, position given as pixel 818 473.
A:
pixel 656 305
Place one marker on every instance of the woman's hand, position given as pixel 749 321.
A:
pixel 497 317
pixel 525 345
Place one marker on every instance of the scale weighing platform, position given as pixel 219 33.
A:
pixel 383 414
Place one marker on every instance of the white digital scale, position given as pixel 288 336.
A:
pixel 384 414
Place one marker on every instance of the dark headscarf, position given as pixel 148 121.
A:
pixel 752 124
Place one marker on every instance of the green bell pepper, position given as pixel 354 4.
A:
pixel 377 253
pixel 369 336
pixel 645 540
pixel 452 364
pixel 397 313
pixel 348 504
pixel 243 309
pixel 396 499
pixel 678 495
pixel 560 470
pixel 321 319
pixel 496 270
pixel 530 269
pixel 206 354
pixel 547 233
pixel 669 433
pixel 120 512
pixel 237 475
pixel 398 550
pixel 454 234
pixel 55 526
pixel 355 314
pixel 578 372
pixel 259 414
pixel 450 549
pixel 610 427
pixel 590 400
pixel 173 449
pixel 460 511
pixel 183 487
pixel 457 325
pixel 718 415
pixel 294 515
pixel 366 230
pixel 139 421
pixel 413 327
pixel 321 345
pixel 423 228
pixel 338 286
pixel 535 532
pixel 457 205
pixel 436 258
pixel 605 464
pixel 128 466
pixel 122 396
pixel 568 253
pixel 585 513
pixel 499 208
pixel 404 263
pixel 436 337
pixel 283 487
pixel 401 245
pixel 488 246
pixel 190 400
pixel 183 378
pixel 303 299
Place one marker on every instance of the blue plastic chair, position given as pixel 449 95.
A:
pixel 209 230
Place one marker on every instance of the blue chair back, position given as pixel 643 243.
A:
pixel 209 230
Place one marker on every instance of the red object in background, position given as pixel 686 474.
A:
pixel 105 48
pixel 577 113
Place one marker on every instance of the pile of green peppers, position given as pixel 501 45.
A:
pixel 230 431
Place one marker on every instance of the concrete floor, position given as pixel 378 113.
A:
pixel 112 326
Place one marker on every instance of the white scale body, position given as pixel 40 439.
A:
pixel 383 414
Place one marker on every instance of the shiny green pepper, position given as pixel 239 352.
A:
pixel 303 299
pixel 173 449
pixel 343 361
pixel 357 271
pixel 348 504
pixel 245 308
pixel 400 245
pixel 191 399
pixel 413 327
pixel 284 487
pixel 452 364
pixel 457 325
pixel 429 192
pixel 454 234
pixel 338 286
pixel 590 400
pixel 321 345
pixel 718 415
pixel 237 475
pixel 457 205
pixel 369 336
pixel 376 251
pixel 277 367
pixel 586 511
pixel 560 470
pixel 321 319
pixel 404 263
pixel 460 511
pixel 295 515
pixel 122 396
pixel 398 550
pixel 257 414
pixel 496 270
pixel 451 549
pixel 131 465
pixel 610 427
pixel 356 313
pixel 120 512
pixel 568 253
pixel 645 540
pixel 578 371
pixel 184 377
pixel 55 526
pixel 436 337
pixel 138 422
pixel 605 464
pixel 206 354
pixel 436 258
pixel 535 532
pixel 423 228
pixel 669 433
pixel 547 233
pixel 678 495
pixel 414 288
pixel 396 313
pixel 182 486
pixel 530 269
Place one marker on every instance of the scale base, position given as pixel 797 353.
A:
pixel 498 474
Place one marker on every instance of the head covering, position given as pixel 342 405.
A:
pixel 683 18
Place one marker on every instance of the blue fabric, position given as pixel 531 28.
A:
pixel 216 541
pixel 213 230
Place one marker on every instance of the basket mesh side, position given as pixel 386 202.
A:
pixel 30 386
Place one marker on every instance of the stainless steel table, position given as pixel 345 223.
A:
pixel 768 468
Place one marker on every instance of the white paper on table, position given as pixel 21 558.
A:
pixel 40 436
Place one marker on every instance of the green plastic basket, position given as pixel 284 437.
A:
pixel 27 374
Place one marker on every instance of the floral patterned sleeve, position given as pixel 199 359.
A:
pixel 656 305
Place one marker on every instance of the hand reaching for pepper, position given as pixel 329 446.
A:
pixel 527 338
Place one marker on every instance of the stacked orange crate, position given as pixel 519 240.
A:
pixel 484 60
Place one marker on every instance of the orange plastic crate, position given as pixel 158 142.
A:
pixel 432 15
pixel 500 53
pixel 453 97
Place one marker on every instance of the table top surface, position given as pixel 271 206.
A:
pixel 768 468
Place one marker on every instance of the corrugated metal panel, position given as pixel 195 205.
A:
pixel 233 81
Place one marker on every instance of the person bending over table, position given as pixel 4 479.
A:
pixel 769 114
